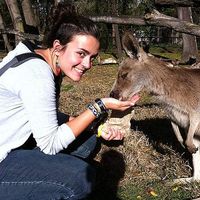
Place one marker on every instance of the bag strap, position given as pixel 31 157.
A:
pixel 18 60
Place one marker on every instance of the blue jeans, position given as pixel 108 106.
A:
pixel 31 174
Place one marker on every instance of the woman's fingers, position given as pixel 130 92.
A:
pixel 116 104
pixel 113 134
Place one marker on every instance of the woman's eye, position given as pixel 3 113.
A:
pixel 82 54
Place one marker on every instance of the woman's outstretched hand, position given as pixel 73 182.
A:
pixel 115 104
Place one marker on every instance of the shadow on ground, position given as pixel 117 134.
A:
pixel 110 171
pixel 159 131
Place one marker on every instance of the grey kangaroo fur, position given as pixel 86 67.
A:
pixel 178 90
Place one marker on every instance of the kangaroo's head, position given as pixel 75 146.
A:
pixel 131 75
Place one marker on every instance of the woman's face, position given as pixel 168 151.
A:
pixel 77 57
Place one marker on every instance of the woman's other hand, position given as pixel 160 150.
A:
pixel 112 134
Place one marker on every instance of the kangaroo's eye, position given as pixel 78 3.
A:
pixel 123 76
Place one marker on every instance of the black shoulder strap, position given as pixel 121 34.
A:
pixel 30 45
pixel 18 60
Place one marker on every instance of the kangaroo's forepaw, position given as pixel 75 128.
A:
pixel 192 149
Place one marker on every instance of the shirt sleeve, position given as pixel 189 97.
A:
pixel 37 92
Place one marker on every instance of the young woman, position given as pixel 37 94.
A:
pixel 28 105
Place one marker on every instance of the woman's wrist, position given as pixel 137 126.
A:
pixel 101 104
pixel 97 107
pixel 105 103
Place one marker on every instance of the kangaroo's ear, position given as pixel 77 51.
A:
pixel 130 44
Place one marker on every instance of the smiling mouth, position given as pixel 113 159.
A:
pixel 80 71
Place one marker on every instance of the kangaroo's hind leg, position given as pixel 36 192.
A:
pixel 196 168
pixel 194 122
pixel 196 160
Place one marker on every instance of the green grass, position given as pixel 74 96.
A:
pixel 153 190
pixel 67 87
pixel 145 190
pixel 171 52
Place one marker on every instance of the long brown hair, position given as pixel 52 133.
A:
pixel 64 23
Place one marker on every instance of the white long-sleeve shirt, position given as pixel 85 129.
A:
pixel 28 106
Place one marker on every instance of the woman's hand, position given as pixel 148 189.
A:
pixel 112 134
pixel 114 104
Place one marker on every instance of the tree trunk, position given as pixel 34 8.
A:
pixel 5 37
pixel 190 50
pixel 36 14
pixel 31 25
pixel 16 17
pixel 158 35
pixel 118 41
pixel 115 28
pixel 28 13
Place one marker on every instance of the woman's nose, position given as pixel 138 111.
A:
pixel 87 63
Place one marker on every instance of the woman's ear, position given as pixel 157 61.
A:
pixel 57 47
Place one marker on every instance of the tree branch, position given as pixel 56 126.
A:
pixel 179 3
pixel 21 34
pixel 154 18
pixel 119 20
pixel 158 19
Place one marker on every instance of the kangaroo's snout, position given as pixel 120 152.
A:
pixel 114 94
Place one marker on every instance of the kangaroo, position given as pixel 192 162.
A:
pixel 176 88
